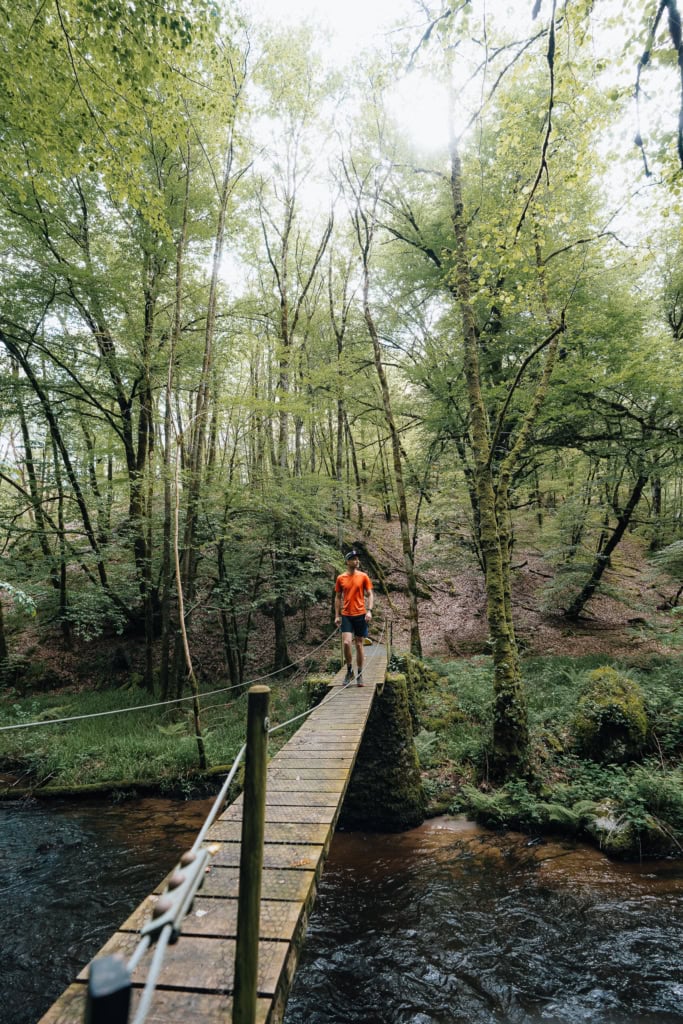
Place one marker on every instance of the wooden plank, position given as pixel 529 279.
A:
pixel 168 1007
pixel 297 813
pixel 305 774
pixel 201 964
pixel 217 917
pixel 280 785
pixel 276 832
pixel 276 798
pixel 314 758
pixel 277 884
pixel 275 855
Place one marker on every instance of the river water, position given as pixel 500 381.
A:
pixel 447 923
pixel 450 923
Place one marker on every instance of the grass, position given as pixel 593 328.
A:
pixel 153 746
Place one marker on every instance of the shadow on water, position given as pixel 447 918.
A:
pixel 69 875
pixel 449 923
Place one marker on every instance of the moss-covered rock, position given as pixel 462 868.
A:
pixel 317 688
pixel 610 724
pixel 385 792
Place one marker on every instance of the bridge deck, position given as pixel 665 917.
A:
pixel 307 781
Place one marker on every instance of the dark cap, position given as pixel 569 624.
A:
pixel 351 554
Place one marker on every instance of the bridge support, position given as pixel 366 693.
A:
pixel 385 792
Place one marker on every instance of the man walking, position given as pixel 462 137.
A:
pixel 353 601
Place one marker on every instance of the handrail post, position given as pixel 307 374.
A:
pixel 109 989
pixel 251 858
pixel 391 642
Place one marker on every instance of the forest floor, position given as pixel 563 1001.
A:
pixel 628 619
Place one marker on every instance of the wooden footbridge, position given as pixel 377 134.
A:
pixel 306 784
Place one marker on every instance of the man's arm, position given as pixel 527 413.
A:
pixel 369 600
pixel 337 607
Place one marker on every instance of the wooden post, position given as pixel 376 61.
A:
pixel 390 643
pixel 251 858
pixel 109 987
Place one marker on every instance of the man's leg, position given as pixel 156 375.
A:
pixel 360 658
pixel 347 645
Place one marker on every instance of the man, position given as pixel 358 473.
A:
pixel 353 601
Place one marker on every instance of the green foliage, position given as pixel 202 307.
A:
pixel 425 746
pixel 515 806
pixel 630 809
pixel 151 746
pixel 23 601
pixel 670 558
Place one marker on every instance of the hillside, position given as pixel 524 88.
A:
pixel 626 620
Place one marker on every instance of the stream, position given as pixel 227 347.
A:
pixel 446 923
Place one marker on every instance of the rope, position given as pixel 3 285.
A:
pixel 165 703
pixel 153 974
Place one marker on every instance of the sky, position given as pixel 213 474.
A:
pixel 419 105
pixel 355 25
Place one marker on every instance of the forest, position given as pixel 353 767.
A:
pixel 246 321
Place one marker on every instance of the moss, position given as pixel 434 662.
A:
pixel 385 793
pixel 610 724
pixel 317 688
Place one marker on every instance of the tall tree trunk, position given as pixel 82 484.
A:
pixel 4 651
pixel 510 726
pixel 602 558
pixel 64 622
pixel 282 659
pixel 34 489
pixel 404 521
pixel 198 439
pixel 356 473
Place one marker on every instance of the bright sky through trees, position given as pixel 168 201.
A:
pixel 418 103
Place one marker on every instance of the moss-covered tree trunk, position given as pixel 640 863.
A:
pixel 510 728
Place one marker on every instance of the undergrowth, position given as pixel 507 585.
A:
pixel 147 746
pixel 640 802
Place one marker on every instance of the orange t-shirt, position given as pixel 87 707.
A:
pixel 353 587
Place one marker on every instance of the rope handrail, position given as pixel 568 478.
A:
pixel 165 703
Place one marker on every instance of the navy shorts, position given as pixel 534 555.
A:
pixel 355 624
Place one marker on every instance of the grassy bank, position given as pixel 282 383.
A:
pixel 630 808
pixel 149 747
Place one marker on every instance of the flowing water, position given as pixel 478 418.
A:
pixel 444 924
pixel 70 874
pixel 449 923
